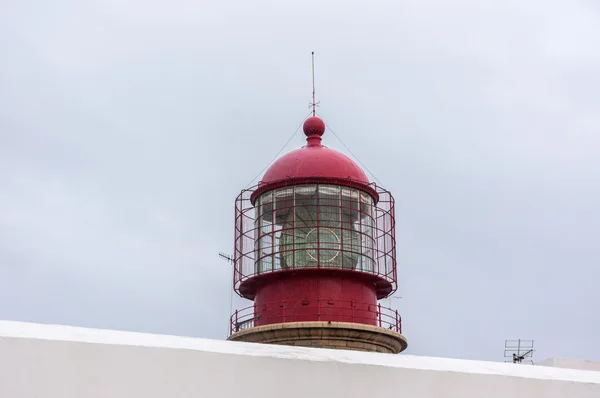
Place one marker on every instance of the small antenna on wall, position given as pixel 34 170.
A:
pixel 518 351
pixel 226 257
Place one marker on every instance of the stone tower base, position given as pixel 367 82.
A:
pixel 337 335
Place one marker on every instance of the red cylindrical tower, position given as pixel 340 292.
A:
pixel 315 250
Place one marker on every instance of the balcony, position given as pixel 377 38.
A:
pixel 319 310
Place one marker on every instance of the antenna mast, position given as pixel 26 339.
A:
pixel 314 103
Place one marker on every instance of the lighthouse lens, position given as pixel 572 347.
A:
pixel 315 226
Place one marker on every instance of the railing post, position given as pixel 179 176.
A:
pixel 379 314
pixel 397 323
pixel 237 325
pixel 400 324
pixel 254 315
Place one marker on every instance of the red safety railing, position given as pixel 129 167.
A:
pixel 317 310
pixel 352 231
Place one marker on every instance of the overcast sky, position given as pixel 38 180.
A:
pixel 127 129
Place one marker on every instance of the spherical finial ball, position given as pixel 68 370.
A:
pixel 314 126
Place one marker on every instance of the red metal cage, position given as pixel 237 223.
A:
pixel 344 226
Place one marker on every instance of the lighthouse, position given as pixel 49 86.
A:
pixel 315 251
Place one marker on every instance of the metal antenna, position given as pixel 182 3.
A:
pixel 226 257
pixel 518 351
pixel 229 259
pixel 314 104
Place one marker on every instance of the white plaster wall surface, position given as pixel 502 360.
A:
pixel 66 362
pixel 570 363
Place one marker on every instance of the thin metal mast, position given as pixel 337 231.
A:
pixel 314 104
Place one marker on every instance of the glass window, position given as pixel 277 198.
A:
pixel 314 225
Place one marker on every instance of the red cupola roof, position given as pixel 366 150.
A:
pixel 314 161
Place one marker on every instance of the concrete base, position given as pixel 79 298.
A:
pixel 337 335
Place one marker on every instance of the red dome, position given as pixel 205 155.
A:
pixel 314 161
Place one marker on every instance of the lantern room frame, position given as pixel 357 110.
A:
pixel 378 246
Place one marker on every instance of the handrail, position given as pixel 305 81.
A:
pixel 321 310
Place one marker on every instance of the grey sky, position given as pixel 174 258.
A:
pixel 127 129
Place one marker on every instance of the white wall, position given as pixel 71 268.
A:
pixel 64 362
pixel 570 363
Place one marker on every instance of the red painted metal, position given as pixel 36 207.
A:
pixel 261 188
pixel 368 314
pixel 314 161
pixel 375 228
pixel 338 290
pixel 315 240
pixel 314 126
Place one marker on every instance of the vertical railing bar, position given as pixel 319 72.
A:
pixel 254 315
pixel 318 200
pixel 237 323
pixel 293 231
pixel 273 215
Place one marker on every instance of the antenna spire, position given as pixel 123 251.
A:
pixel 314 104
